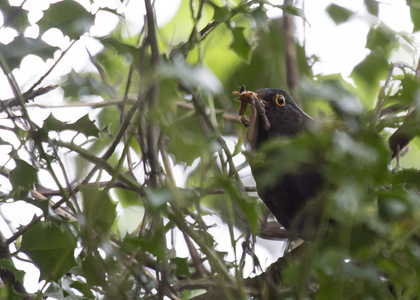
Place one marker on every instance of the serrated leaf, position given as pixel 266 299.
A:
pixel 339 14
pixel 78 85
pixel 83 125
pixel 100 211
pixel 22 178
pixel 22 46
pixel 240 44
pixel 14 16
pixel 50 248
pixel 68 16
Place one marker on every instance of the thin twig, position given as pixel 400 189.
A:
pixel 382 93
pixel 195 256
pixel 63 53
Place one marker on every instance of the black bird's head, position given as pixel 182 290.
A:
pixel 284 115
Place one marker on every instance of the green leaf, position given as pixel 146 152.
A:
pixel 83 125
pixel 157 198
pixel 22 178
pixel 391 209
pixel 22 46
pixel 127 197
pixel 372 7
pixel 9 293
pixel 240 44
pixel 50 248
pixel 372 69
pixel 14 16
pixel 408 91
pixel 8 264
pixel 91 271
pixel 187 142
pixel 339 14
pixel 221 13
pixel 181 266
pixel 410 177
pixel 55 291
pixel 83 288
pixel 68 16
pixel 130 52
pixel 100 211
pixel 381 37
pixel 194 76
pixel 415 14
pixel 78 85
pixel 295 11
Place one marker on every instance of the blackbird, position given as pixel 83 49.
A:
pixel 274 114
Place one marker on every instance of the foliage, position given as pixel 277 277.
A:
pixel 166 105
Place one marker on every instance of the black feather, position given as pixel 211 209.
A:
pixel 287 196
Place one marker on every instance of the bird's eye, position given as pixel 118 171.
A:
pixel 280 100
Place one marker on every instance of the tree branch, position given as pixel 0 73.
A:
pixel 290 51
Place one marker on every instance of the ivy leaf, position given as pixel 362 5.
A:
pixel 22 46
pixel 50 248
pixel 339 14
pixel 68 16
pixel 240 44
pixel 22 178
pixel 83 125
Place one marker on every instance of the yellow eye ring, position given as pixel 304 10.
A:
pixel 282 101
